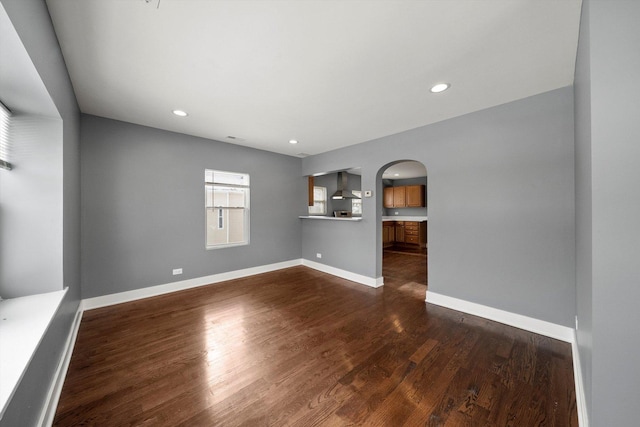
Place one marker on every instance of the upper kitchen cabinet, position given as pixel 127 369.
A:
pixel 410 196
pixel 415 196
pixel 388 197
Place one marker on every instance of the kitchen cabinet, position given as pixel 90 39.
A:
pixel 404 233
pixel 399 197
pixel 415 196
pixel 399 232
pixel 388 197
pixel 388 233
pixel 410 196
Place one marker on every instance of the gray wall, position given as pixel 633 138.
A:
pixel 31 212
pixel 33 24
pixel 613 58
pixel 143 206
pixel 501 206
pixel 582 106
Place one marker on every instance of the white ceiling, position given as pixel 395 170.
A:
pixel 405 170
pixel 327 73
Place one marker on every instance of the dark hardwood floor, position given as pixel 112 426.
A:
pixel 301 347
pixel 405 264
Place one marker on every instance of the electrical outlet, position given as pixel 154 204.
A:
pixel 318 255
pixel 177 271
pixel 396 213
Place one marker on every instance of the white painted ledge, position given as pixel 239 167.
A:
pixel 23 323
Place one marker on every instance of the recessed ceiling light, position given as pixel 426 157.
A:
pixel 180 113
pixel 293 141
pixel 396 174
pixel 440 87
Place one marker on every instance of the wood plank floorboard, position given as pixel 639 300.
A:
pixel 301 347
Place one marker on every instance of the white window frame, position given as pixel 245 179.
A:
pixel 319 206
pixel 5 137
pixel 356 204
pixel 218 209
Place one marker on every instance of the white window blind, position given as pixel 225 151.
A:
pixel 319 201
pixel 5 137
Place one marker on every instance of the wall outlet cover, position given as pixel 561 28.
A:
pixel 318 255
pixel 177 271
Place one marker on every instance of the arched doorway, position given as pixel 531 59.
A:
pixel 403 204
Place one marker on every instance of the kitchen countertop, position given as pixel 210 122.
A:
pixel 405 218
pixel 331 218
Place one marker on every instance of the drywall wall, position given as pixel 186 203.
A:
pixel 501 206
pixel 33 24
pixel 582 106
pixel 614 37
pixel 143 206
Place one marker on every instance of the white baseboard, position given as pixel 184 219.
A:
pixel 559 332
pixel 152 291
pixel 581 402
pixel 53 396
pixel 354 277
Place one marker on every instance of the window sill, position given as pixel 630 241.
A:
pixel 23 323
pixel 230 245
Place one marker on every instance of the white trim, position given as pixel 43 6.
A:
pixel 136 294
pixel 55 389
pixel 354 277
pixel 552 330
pixel 581 402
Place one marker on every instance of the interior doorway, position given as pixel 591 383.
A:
pixel 404 224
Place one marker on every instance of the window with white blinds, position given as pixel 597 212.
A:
pixel 5 137
pixel 227 208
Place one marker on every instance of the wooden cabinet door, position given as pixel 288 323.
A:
pixel 399 197
pixel 388 233
pixel 388 197
pixel 415 196
pixel 399 231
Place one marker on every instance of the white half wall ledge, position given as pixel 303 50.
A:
pixel 152 291
pixel 548 329
pixel 25 321
pixel 354 277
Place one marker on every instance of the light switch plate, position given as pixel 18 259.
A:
pixel 368 193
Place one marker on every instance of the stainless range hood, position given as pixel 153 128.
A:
pixel 342 192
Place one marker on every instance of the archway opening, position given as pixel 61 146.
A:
pixel 403 186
